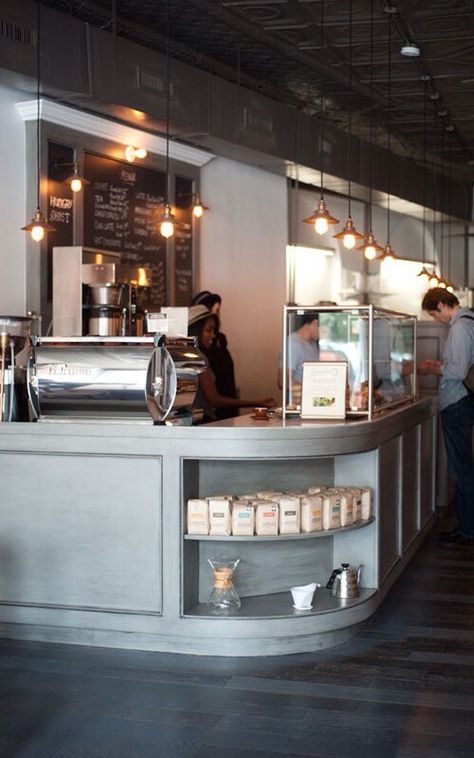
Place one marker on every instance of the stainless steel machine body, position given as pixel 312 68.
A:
pixel 14 333
pixel 125 378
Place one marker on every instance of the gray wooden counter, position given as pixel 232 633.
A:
pixel 92 542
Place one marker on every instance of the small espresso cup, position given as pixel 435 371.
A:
pixel 261 412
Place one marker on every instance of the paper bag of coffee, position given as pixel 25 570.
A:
pixel 290 514
pixel 367 502
pixel 346 507
pixel 269 495
pixel 219 517
pixel 266 517
pixel 331 510
pixel 311 513
pixel 315 490
pixel 356 503
pixel 243 518
pixel 198 516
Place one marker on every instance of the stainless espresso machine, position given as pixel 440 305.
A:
pixel 104 378
pixel 14 333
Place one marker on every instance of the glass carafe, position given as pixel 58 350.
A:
pixel 224 598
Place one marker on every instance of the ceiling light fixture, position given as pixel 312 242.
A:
pixel 38 225
pixel 321 218
pixel 349 234
pixel 131 153
pixel 167 218
pixel 388 253
pixel 410 50
pixel 370 247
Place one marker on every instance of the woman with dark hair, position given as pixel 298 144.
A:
pixel 203 324
pixel 218 355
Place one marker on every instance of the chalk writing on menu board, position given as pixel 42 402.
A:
pixel 122 206
pixel 60 202
pixel 183 246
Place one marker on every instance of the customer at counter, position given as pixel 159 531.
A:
pixel 203 324
pixel 218 355
pixel 456 403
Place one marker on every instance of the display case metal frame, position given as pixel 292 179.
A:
pixel 371 310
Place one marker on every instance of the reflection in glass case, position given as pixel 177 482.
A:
pixel 377 344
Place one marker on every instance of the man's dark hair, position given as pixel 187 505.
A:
pixel 309 317
pixel 436 296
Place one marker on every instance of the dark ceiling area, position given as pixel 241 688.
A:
pixel 274 47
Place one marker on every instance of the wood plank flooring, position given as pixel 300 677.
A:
pixel 404 688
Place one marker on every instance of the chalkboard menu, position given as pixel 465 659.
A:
pixel 183 244
pixel 122 208
pixel 60 212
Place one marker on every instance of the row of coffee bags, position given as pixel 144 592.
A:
pixel 270 513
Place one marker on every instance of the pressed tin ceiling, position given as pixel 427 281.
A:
pixel 273 46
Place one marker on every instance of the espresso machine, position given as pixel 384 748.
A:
pixel 96 294
pixel 14 334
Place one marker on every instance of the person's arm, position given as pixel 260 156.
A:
pixel 429 366
pixel 209 390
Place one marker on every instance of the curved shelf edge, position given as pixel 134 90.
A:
pixel 278 537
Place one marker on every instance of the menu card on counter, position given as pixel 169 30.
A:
pixel 122 208
pixel 323 393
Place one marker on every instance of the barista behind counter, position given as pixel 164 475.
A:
pixel 202 323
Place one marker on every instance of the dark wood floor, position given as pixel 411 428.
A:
pixel 403 688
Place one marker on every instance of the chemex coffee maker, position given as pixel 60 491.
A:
pixel 96 294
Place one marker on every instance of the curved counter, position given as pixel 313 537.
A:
pixel 93 547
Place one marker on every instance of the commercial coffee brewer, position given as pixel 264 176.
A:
pixel 95 294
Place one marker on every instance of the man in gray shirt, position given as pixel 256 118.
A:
pixel 456 403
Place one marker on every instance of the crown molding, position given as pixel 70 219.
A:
pixel 89 123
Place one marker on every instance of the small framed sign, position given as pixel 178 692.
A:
pixel 323 393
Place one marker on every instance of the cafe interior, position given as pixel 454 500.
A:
pixel 271 583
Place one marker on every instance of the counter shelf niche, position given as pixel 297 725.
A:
pixel 279 537
pixel 279 605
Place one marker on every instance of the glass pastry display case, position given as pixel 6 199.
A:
pixel 378 345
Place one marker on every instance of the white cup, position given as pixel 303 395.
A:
pixel 303 596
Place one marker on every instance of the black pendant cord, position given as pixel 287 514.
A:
pixel 321 107
pixel 350 108
pixel 425 111
pixel 371 161
pixel 434 181
pixel 389 124
pixel 450 189
pixel 441 197
pixel 167 102
pixel 38 95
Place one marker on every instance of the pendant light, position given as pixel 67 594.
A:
pixel 38 225
pixel 370 247
pixel 349 235
pixel 130 153
pixel 198 207
pixel 424 274
pixel 76 182
pixel 321 218
pixel 388 253
pixel 167 218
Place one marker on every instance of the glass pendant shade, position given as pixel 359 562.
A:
pixel 167 223
pixel 388 253
pixel 349 235
pixel 370 247
pixel 38 226
pixel 321 218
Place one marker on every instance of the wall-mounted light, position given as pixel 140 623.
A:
pixel 38 226
pixel 131 153
pixel 75 181
pixel 199 207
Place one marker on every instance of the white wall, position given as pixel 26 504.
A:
pixel 243 241
pixel 12 206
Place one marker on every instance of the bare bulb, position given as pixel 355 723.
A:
pixel 198 210
pixel 349 241
pixel 321 225
pixel 166 229
pixel 433 281
pixel 450 288
pixel 424 277
pixel 442 285
pixel 37 233
pixel 76 185
pixel 370 252
pixel 129 153
pixel 140 152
